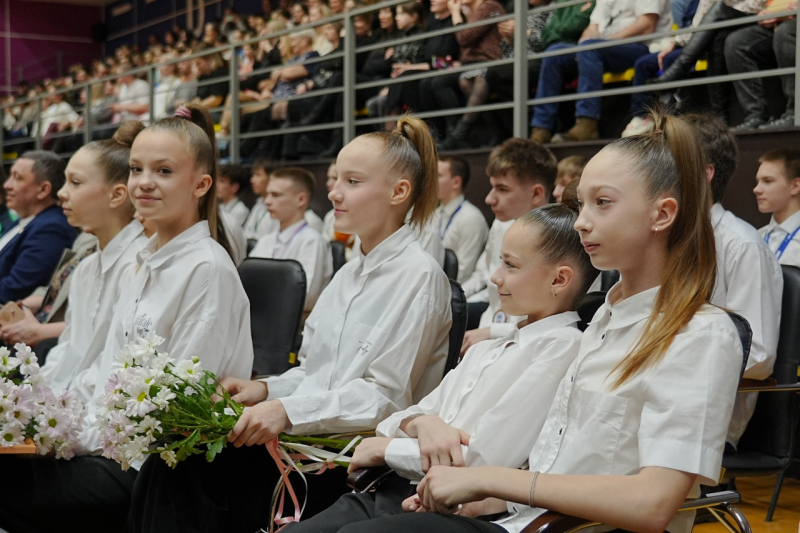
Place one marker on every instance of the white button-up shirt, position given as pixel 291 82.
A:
pixel 749 283
pixel 16 230
pixel 673 414
pixel 375 343
pixel 778 232
pixel 305 245
pixel 486 391
pixel 237 211
pixel 95 288
pixel 487 264
pixel 259 222
pixel 188 292
pixel 463 229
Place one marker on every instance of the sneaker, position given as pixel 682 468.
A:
pixel 637 126
pixel 748 125
pixel 585 129
pixel 786 121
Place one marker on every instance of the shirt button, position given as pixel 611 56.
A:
pixel 470 385
pixel 450 417
pixel 494 357
pixel 126 333
pixel 603 337
pixel 571 379
pixel 560 430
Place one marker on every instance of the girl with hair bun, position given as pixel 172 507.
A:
pixel 91 493
pixel 543 272
pixel 375 343
pixel 640 418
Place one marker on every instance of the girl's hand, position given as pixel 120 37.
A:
pixel 27 330
pixel 245 391
pixel 370 452
pixel 443 488
pixel 439 443
pixel 259 424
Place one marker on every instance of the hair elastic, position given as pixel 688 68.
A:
pixel 183 112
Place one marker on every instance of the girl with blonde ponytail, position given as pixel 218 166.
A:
pixel 375 343
pixel 639 421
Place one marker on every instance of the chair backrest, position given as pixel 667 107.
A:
pixel 458 306
pixel 587 306
pixel 276 289
pixel 745 337
pixel 608 278
pixel 337 251
pixel 773 426
pixel 450 266
pixel 251 243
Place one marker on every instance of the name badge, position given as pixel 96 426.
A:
pixel 499 317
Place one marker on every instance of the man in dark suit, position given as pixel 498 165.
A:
pixel 30 252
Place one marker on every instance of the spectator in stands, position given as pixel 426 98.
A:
pixel 318 13
pixel 229 183
pixel 522 174
pixel 337 6
pixel 187 89
pixel 259 223
pixel 749 279
pixel 165 90
pixel 747 50
pixel 28 258
pixel 460 225
pixel 610 20
pixel 569 169
pixel 57 115
pixel 207 68
pixel 289 193
pixel 648 67
pixel 477 44
pixel 387 25
pixel 211 33
pixel 713 43
pixel 231 22
pixel 133 97
pixel 299 11
pixel 778 192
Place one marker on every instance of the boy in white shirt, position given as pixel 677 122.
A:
pixel 522 174
pixel 460 225
pixel 229 184
pixel 778 192
pixel 288 193
pixel 749 279
pixel 259 223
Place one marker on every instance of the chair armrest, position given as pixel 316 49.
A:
pixel 767 385
pixel 364 479
pixel 747 383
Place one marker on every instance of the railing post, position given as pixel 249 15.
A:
pixel 796 70
pixel 520 109
pixel 39 122
pixel 87 119
pixel 349 94
pixel 151 80
pixel 233 145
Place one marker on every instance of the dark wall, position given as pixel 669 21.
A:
pixel 738 198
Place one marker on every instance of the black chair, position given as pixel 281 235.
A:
pixel 608 278
pixel 587 306
pixel 458 306
pixel 337 251
pixel 276 289
pixel 450 266
pixel 251 243
pixel 767 445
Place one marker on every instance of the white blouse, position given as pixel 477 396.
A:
pixel 462 228
pixel 485 392
pixel 237 210
pixel 673 414
pixel 375 343
pixel 95 286
pixel 188 292
pixel 259 222
pixel 305 245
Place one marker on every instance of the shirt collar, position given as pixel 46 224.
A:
pixel 788 225
pixel 119 244
pixel 391 247
pixel 630 310
pixel 530 332
pixel 24 222
pixel 717 212
pixel 450 207
pixel 285 235
pixel 157 257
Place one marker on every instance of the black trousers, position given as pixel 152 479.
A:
pixel 381 511
pixel 86 494
pixel 230 494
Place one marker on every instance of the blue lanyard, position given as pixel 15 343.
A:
pixel 447 227
pixel 784 244
pixel 286 248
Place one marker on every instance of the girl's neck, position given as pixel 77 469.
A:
pixel 108 230
pixel 369 241
pixel 166 231
pixel 646 275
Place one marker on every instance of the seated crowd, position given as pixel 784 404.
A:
pixel 140 234
pixel 280 66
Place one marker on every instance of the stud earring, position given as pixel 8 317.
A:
pixel 553 292
pixel 655 230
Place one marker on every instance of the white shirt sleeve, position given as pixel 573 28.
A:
pixel 477 281
pixel 469 242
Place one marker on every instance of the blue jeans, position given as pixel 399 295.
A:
pixel 646 67
pixel 589 67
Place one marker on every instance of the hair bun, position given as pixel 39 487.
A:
pixel 569 197
pixel 127 132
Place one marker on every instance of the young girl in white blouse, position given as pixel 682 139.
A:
pixel 375 343
pixel 639 420
pixel 544 270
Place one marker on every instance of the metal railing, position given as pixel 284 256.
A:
pixel 349 121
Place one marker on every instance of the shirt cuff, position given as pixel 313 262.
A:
pixel 402 455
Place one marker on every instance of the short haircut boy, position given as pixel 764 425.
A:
pixel 458 167
pixel 719 147
pixel 233 173
pixel 301 178
pixel 264 164
pixel 530 161
pixel 571 166
pixel 789 157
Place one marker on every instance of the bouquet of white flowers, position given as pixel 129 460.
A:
pixel 31 413
pixel 153 404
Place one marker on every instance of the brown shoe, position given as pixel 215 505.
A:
pixel 540 135
pixel 585 129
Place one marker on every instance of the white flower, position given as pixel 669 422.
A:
pixel 152 340
pixel 28 361
pixel 170 457
pixel 189 391
pixel 11 435
pixel 139 403
pixel 124 358
pixel 65 450
pixel 189 370
pixel 163 397
pixel 52 421
pixel 134 449
pixel 44 443
pixel 149 425
pixel 159 363
pixel 7 362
